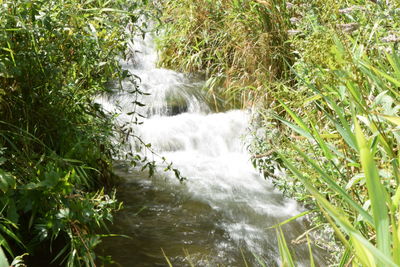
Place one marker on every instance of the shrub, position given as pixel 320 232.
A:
pixel 55 148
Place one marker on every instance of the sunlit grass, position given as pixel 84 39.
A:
pixel 239 46
pixel 364 211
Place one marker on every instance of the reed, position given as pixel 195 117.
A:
pixel 357 169
pixel 325 78
pixel 341 143
pixel 239 45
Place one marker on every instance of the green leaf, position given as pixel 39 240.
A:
pixel 364 255
pixel 3 258
pixel 328 154
pixel 335 187
pixel 7 181
pixel 340 218
pixel 312 264
pixel 343 127
pixel 286 256
pixel 395 62
pixel 259 260
pixel 392 119
pixel 294 127
pixel 376 192
pixel 296 118
pixel 355 91
pixel 383 74
pixel 292 219
pixel 166 258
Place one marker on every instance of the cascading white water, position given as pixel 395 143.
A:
pixel 208 148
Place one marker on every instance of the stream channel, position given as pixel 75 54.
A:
pixel 220 216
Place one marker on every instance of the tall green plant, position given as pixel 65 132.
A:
pixel 56 56
pixel 357 172
pixel 239 45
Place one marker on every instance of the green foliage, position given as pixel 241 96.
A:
pixel 55 146
pixel 327 75
pixel 239 45
pixel 3 259
pixel 340 137
pixel 358 174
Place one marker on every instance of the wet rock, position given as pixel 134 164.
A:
pixel 176 104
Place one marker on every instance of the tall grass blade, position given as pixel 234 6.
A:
pixel 394 62
pixel 295 127
pixel 376 193
pixel 396 240
pixel 244 258
pixel 259 261
pixel 344 260
pixel 338 215
pixel 393 119
pixel 335 187
pixel 364 255
pixel 312 263
pixel 391 79
pixel 286 256
pixel 343 127
pixel 166 258
pixel 296 118
pixel 187 255
pixel 291 219
pixel 328 154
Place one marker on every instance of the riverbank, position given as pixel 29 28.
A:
pixel 323 77
pixel 55 142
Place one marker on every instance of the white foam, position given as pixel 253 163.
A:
pixel 208 149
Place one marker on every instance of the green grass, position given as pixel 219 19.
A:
pixel 239 46
pixel 342 143
pixel 364 151
pixel 325 84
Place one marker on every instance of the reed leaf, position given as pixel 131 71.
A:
pixel 3 258
pixel 388 77
pixel 336 188
pixel 312 263
pixel 364 247
pixel 286 256
pixel 166 258
pixel 296 118
pixel 376 192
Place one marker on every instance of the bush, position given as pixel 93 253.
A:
pixel 55 148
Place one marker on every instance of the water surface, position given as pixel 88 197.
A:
pixel 222 214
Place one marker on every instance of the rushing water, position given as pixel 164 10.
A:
pixel 220 216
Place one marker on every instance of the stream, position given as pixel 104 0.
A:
pixel 222 214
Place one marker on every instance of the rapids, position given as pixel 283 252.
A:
pixel 222 213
